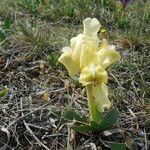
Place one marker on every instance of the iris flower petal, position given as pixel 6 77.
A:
pixel 91 27
pixel 76 47
pixel 71 65
pixel 93 74
pixel 88 54
pixel 100 94
pixel 107 54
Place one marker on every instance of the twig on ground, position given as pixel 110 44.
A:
pixel 30 131
pixel 24 116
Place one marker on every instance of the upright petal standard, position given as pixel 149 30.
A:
pixel 83 48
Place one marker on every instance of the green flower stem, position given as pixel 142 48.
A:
pixel 95 115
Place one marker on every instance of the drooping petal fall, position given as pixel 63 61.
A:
pixel 100 94
pixel 96 76
pixel 93 74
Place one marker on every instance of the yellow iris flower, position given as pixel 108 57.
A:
pixel 86 56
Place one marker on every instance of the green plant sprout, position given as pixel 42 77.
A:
pixel 89 57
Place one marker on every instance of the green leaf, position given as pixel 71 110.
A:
pixel 53 58
pixel 3 35
pixel 95 126
pixel 116 146
pixel 110 119
pixel 82 124
pixel 4 92
pixel 7 23
pixel 81 128
pixel 70 11
pixel 72 115
pixel 91 127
